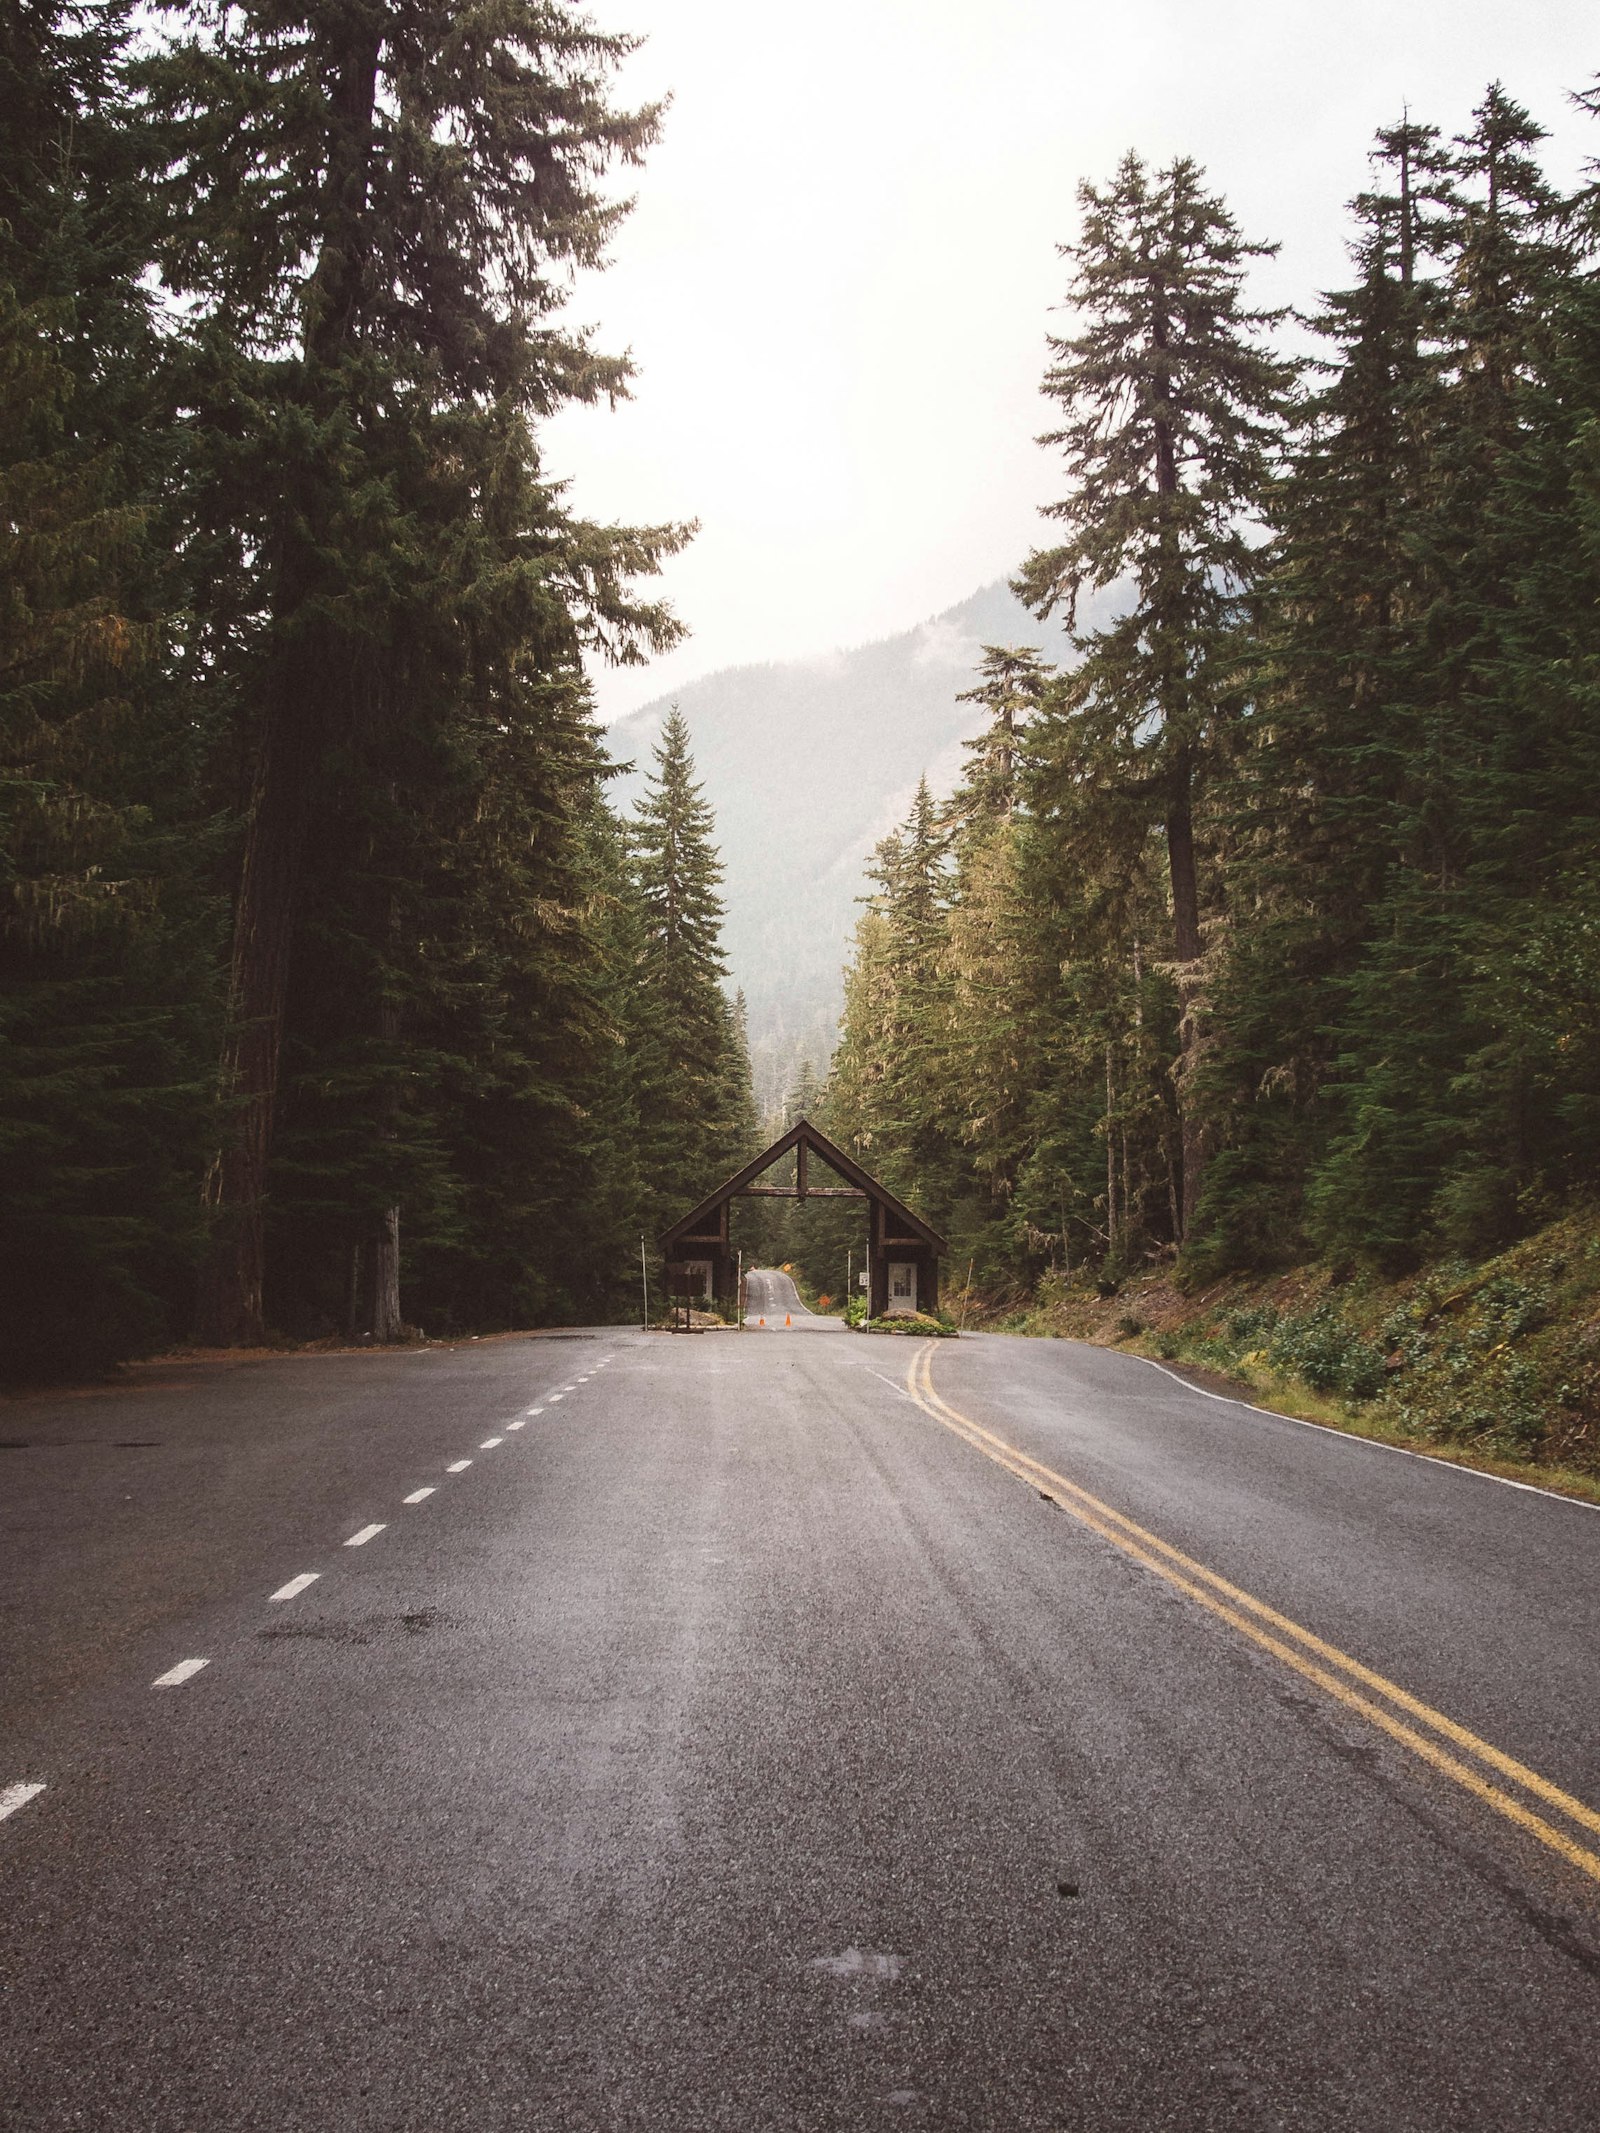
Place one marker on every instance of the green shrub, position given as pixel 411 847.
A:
pixel 1321 1347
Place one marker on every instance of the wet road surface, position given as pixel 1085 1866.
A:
pixel 630 1731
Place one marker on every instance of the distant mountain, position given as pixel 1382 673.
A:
pixel 808 763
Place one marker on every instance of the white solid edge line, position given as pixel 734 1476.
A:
pixel 418 1495
pixel 458 1466
pixel 359 1540
pixel 176 1676
pixel 15 1796
pixel 489 1443
pixel 1373 1444
pixel 295 1585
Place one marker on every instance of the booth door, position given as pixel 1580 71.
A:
pixel 902 1286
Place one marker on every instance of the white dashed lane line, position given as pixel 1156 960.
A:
pixel 176 1676
pixel 15 1796
pixel 295 1585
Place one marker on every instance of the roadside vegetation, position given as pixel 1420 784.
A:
pixel 1495 1363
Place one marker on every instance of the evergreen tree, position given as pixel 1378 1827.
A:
pixel 1173 408
pixel 370 213
pixel 697 1118
pixel 104 1002
pixel 1434 1105
pixel 890 1077
pixel 994 940
pixel 1324 788
pixel 1011 689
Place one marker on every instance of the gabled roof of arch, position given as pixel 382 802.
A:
pixel 803 1133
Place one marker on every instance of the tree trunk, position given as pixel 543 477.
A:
pixel 1180 828
pixel 230 1310
pixel 378 1305
pixel 1111 1164
pixel 376 1264
pixel 1186 953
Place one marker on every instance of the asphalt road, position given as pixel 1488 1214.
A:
pixel 783 1733
pixel 771 1297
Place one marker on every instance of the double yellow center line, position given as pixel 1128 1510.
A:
pixel 1438 1741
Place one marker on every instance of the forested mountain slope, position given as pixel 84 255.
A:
pixel 807 763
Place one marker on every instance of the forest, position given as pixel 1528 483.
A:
pixel 335 1000
pixel 1265 928
pixel 338 1000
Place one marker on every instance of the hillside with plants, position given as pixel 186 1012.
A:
pixel 1264 933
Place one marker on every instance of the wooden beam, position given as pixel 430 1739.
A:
pixel 793 1192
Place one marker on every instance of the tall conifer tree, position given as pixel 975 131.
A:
pixel 1324 793
pixel 697 1115
pixel 1415 1158
pixel 372 209
pixel 105 992
pixel 1173 408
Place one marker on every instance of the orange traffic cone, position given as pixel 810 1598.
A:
pixel 788 1321
pixel 760 1321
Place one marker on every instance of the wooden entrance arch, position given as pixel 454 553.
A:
pixel 698 1254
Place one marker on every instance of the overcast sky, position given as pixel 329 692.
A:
pixel 840 272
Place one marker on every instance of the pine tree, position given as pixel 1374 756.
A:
pixel 1173 409
pixel 1011 688
pixel 993 946
pixel 890 1079
pixel 1435 1107
pixel 697 1117
pixel 371 211
pixel 1325 784
pixel 104 1000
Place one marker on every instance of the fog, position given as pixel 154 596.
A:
pixel 842 265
